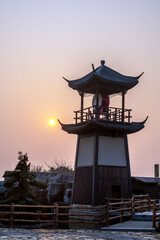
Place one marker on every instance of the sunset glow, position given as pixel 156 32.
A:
pixel 52 122
pixel 42 42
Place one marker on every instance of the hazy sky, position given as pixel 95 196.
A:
pixel 42 41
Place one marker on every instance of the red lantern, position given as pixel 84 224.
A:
pixel 105 100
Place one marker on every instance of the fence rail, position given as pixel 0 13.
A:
pixel 115 209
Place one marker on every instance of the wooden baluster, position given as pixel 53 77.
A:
pixel 123 105
pixel 76 117
pixel 107 117
pixel 118 115
pixel 109 114
pixel 82 96
pixel 115 119
pixel 97 103
pixel 129 116
pixel 89 114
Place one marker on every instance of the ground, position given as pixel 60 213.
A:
pixel 39 234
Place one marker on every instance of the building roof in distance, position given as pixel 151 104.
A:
pixel 106 79
pixel 147 179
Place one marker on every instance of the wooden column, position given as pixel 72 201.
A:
pixel 82 96
pixel 97 103
pixel 123 105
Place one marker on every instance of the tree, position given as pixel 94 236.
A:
pixel 37 168
pixel 20 182
pixel 60 166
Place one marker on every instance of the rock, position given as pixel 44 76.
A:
pixel 63 178
pixel 58 190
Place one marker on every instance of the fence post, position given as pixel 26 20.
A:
pixel 133 205
pixel 12 216
pixel 131 210
pixel 149 203
pixel 142 203
pixel 101 217
pixel 122 210
pixel 154 215
pixel 107 214
pixel 56 206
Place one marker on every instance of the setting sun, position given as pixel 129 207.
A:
pixel 52 122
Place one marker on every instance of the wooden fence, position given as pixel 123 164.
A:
pixel 156 213
pixel 66 216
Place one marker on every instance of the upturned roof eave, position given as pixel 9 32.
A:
pixel 98 76
pixel 106 85
pixel 105 126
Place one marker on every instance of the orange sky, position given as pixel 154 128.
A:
pixel 42 41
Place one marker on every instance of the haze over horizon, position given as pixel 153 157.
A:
pixel 43 41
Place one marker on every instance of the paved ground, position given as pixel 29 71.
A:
pixel 132 226
pixel 22 234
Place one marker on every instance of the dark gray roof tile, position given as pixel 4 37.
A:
pixel 108 80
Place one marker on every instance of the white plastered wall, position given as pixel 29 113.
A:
pixel 111 151
pixel 85 152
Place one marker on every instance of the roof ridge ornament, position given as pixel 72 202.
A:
pixel 66 79
pixel 140 75
pixel 93 67
pixel 102 62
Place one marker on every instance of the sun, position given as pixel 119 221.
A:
pixel 52 122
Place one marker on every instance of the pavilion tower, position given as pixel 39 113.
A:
pixel 102 168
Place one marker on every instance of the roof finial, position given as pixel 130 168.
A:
pixel 102 62
pixel 93 68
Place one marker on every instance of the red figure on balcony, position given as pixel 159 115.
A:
pixel 102 168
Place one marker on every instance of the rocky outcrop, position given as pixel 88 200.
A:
pixel 2 190
pixel 59 186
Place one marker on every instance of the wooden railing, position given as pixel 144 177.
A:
pixel 156 214
pixel 118 211
pixel 142 203
pixel 27 213
pixel 55 215
pixel 104 113
pixel 115 210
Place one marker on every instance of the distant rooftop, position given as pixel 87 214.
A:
pixel 148 179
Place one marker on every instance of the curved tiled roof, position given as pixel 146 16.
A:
pixel 108 80
pixel 104 126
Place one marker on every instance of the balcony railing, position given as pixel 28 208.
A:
pixel 104 113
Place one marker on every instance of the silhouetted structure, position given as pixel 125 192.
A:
pixel 146 185
pixel 102 168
